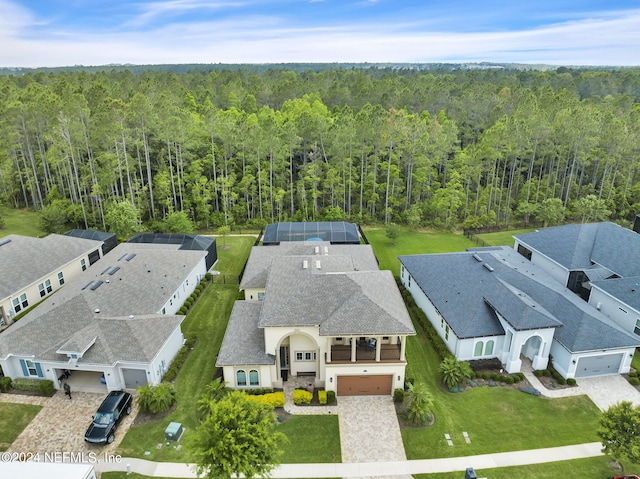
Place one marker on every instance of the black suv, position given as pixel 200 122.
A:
pixel 108 416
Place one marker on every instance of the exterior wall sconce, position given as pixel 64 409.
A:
pixel 398 378
pixel 331 379
pixel 574 361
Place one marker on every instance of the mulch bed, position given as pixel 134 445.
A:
pixel 147 417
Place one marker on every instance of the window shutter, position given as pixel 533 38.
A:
pixel 39 370
pixel 23 365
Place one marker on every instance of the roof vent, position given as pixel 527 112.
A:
pixel 477 258
pixel 97 310
pixel 107 281
pixel 318 265
pixel 305 264
pixel 131 256
pixel 317 249
pixel 96 285
pixel 599 305
pixel 488 267
pixel 326 250
pixel 131 316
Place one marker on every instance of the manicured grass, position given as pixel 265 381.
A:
pixel 411 242
pixel 497 419
pixel 206 321
pixel 503 238
pixel 311 439
pixel 21 222
pixel 635 362
pixel 233 254
pixel 13 419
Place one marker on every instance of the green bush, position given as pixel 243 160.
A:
pixel 495 376
pixel 633 374
pixel 509 380
pixel 538 373
pixel 5 384
pixel 331 397
pixel 322 396
pixel 156 399
pixel 188 302
pixel 486 375
pixel 398 395
pixel 409 376
pixel 179 360
pixel 273 400
pixel 183 310
pixel 571 382
pixel 634 381
pixel 208 276
pixel 46 387
pixel 194 295
pixel 258 391
pixel 27 384
pixel 546 373
pixel 302 396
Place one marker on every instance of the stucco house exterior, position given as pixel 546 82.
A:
pixel 34 268
pixel 319 310
pixel 116 323
pixel 496 303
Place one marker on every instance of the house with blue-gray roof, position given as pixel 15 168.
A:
pixel 498 303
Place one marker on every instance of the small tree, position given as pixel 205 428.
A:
pixel 619 432
pixel 179 222
pixel 123 219
pixel 419 404
pixel 393 233
pixel 237 437
pixel 453 372
pixel 224 231
pixel 212 392
pixel 53 218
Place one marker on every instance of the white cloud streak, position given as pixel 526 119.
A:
pixel 607 39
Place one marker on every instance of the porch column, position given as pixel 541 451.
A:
pixel 378 347
pixel 403 346
pixel 353 350
pixel 328 354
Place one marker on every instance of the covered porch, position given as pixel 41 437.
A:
pixel 367 350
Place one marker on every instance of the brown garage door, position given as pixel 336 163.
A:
pixel 373 385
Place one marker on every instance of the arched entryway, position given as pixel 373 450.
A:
pixel 298 354
pixel 533 348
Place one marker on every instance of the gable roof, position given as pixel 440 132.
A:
pixel 26 260
pixel 579 246
pixel 128 289
pixel 460 286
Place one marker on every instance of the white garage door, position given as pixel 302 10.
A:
pixel 598 365
pixel 134 378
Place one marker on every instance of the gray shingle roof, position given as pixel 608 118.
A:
pixel 626 290
pixel 243 342
pixel 138 287
pixel 25 260
pixel 460 287
pixel 354 257
pixel 341 303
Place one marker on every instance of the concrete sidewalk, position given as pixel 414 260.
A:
pixel 379 469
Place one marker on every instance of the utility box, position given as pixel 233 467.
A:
pixel 470 473
pixel 173 432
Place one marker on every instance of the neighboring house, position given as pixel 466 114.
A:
pixel 319 310
pixel 117 323
pixel 34 268
pixel 598 261
pixel 495 303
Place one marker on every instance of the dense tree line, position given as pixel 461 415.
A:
pixel 228 147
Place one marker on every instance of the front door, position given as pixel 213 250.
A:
pixel 284 362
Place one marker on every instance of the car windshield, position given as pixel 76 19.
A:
pixel 103 418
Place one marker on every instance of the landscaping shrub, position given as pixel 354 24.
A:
pixel 409 377
pixel 398 395
pixel 258 391
pixel 322 396
pixel 561 380
pixel 538 373
pixel 571 382
pixel 156 399
pixel 331 397
pixel 188 302
pixel 509 380
pixel 46 387
pixel 634 381
pixel 5 384
pixel 273 400
pixel 179 360
pixel 183 310
pixel 208 276
pixel 27 384
pixel 495 376
pixel 546 373
pixel 302 396
pixel 633 374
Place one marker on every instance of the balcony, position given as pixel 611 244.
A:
pixel 341 353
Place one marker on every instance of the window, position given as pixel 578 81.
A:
pixel 442 322
pixel 260 296
pixel 60 278
pixel 254 378
pixel 478 349
pixel 409 285
pixel 402 271
pixel 305 356
pixel 524 252
pixel 489 349
pixel 241 378
pixel 164 310
pixel 45 288
pixel 31 368
pixel 637 328
pixel 20 303
pixel 446 333
pixel 83 264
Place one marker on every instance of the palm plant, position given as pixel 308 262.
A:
pixel 453 372
pixel 212 392
pixel 419 404
pixel 155 399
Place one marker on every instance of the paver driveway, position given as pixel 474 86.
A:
pixel 60 426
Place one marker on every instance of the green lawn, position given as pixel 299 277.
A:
pixel 411 242
pixel 21 222
pixel 13 419
pixel 635 362
pixel 497 419
pixel 590 468
pixel 311 439
pixel 207 321
pixel 503 238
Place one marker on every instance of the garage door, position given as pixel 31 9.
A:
pixel 598 365
pixel 373 385
pixel 134 378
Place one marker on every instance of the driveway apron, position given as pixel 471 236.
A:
pixel 369 430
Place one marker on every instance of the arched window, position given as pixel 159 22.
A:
pixel 254 378
pixel 478 349
pixel 241 378
pixel 489 349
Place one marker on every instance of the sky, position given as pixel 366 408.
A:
pixel 46 33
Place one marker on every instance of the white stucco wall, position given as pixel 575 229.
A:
pixel 264 372
pixel 620 313
pixel 188 286
pixel 164 357
pixel 558 272
pixel 252 293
